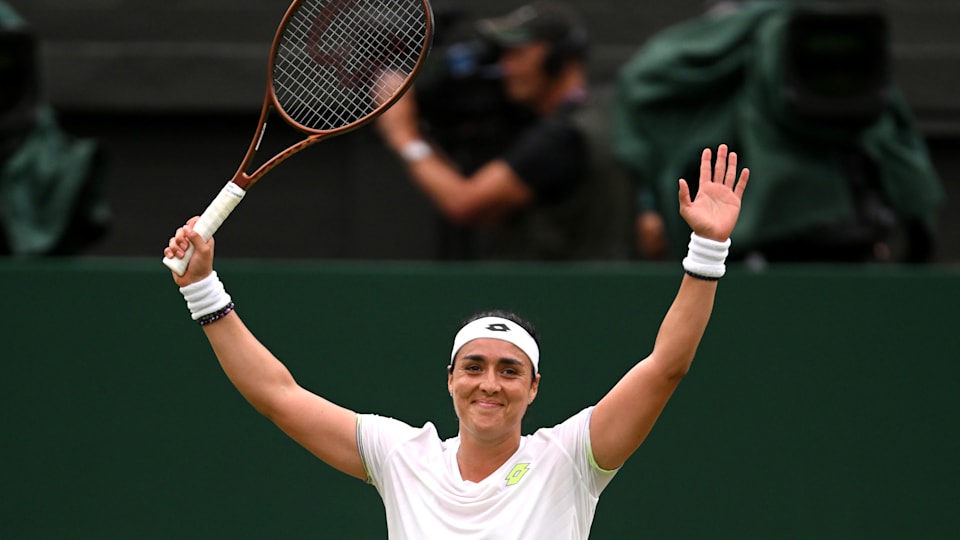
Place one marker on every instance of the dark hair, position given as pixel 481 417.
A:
pixel 508 315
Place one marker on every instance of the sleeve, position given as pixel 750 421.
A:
pixel 377 437
pixel 574 436
pixel 550 158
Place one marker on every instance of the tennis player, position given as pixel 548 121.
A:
pixel 490 481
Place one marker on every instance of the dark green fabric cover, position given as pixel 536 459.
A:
pixel 52 185
pixel 716 80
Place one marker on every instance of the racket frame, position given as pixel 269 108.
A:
pixel 233 192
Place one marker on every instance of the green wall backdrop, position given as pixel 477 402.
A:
pixel 823 402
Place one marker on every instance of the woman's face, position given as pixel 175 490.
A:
pixel 492 384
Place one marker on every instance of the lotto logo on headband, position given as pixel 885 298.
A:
pixel 498 328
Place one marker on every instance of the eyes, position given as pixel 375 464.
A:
pixel 505 370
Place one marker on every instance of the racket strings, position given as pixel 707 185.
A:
pixel 333 57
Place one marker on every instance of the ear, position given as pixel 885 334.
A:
pixel 450 379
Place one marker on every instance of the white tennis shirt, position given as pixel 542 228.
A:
pixel 547 490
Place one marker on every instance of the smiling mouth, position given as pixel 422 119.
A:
pixel 487 404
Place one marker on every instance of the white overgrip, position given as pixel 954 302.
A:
pixel 211 219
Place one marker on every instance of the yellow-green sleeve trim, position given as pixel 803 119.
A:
pixel 363 460
pixel 590 458
pixel 593 462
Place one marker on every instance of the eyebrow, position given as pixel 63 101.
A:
pixel 504 360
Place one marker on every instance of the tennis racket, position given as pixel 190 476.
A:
pixel 334 66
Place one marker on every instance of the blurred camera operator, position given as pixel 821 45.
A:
pixel 557 192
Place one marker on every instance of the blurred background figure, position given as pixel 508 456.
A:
pixel 804 92
pixel 52 186
pixel 506 139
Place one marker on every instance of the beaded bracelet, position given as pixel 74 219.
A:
pixel 698 276
pixel 216 315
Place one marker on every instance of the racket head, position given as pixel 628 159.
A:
pixel 329 57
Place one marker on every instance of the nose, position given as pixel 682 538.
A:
pixel 490 384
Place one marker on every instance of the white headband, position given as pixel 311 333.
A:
pixel 502 329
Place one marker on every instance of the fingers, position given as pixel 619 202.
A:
pixel 684 194
pixel 742 183
pixel 705 166
pixel 724 171
pixel 721 166
pixel 181 240
pixel 193 236
pixel 177 245
pixel 731 175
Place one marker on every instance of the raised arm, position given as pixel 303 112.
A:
pixel 624 417
pixel 490 194
pixel 324 428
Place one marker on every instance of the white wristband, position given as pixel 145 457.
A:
pixel 416 150
pixel 705 258
pixel 205 296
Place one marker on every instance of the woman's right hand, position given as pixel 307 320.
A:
pixel 201 263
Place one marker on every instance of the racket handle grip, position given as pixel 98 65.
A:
pixel 211 219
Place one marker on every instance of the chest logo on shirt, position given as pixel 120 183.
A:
pixel 520 469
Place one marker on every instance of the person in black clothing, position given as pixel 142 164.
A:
pixel 556 193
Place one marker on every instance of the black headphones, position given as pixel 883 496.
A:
pixel 571 46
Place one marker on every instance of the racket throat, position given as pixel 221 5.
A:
pixel 263 130
pixel 247 174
